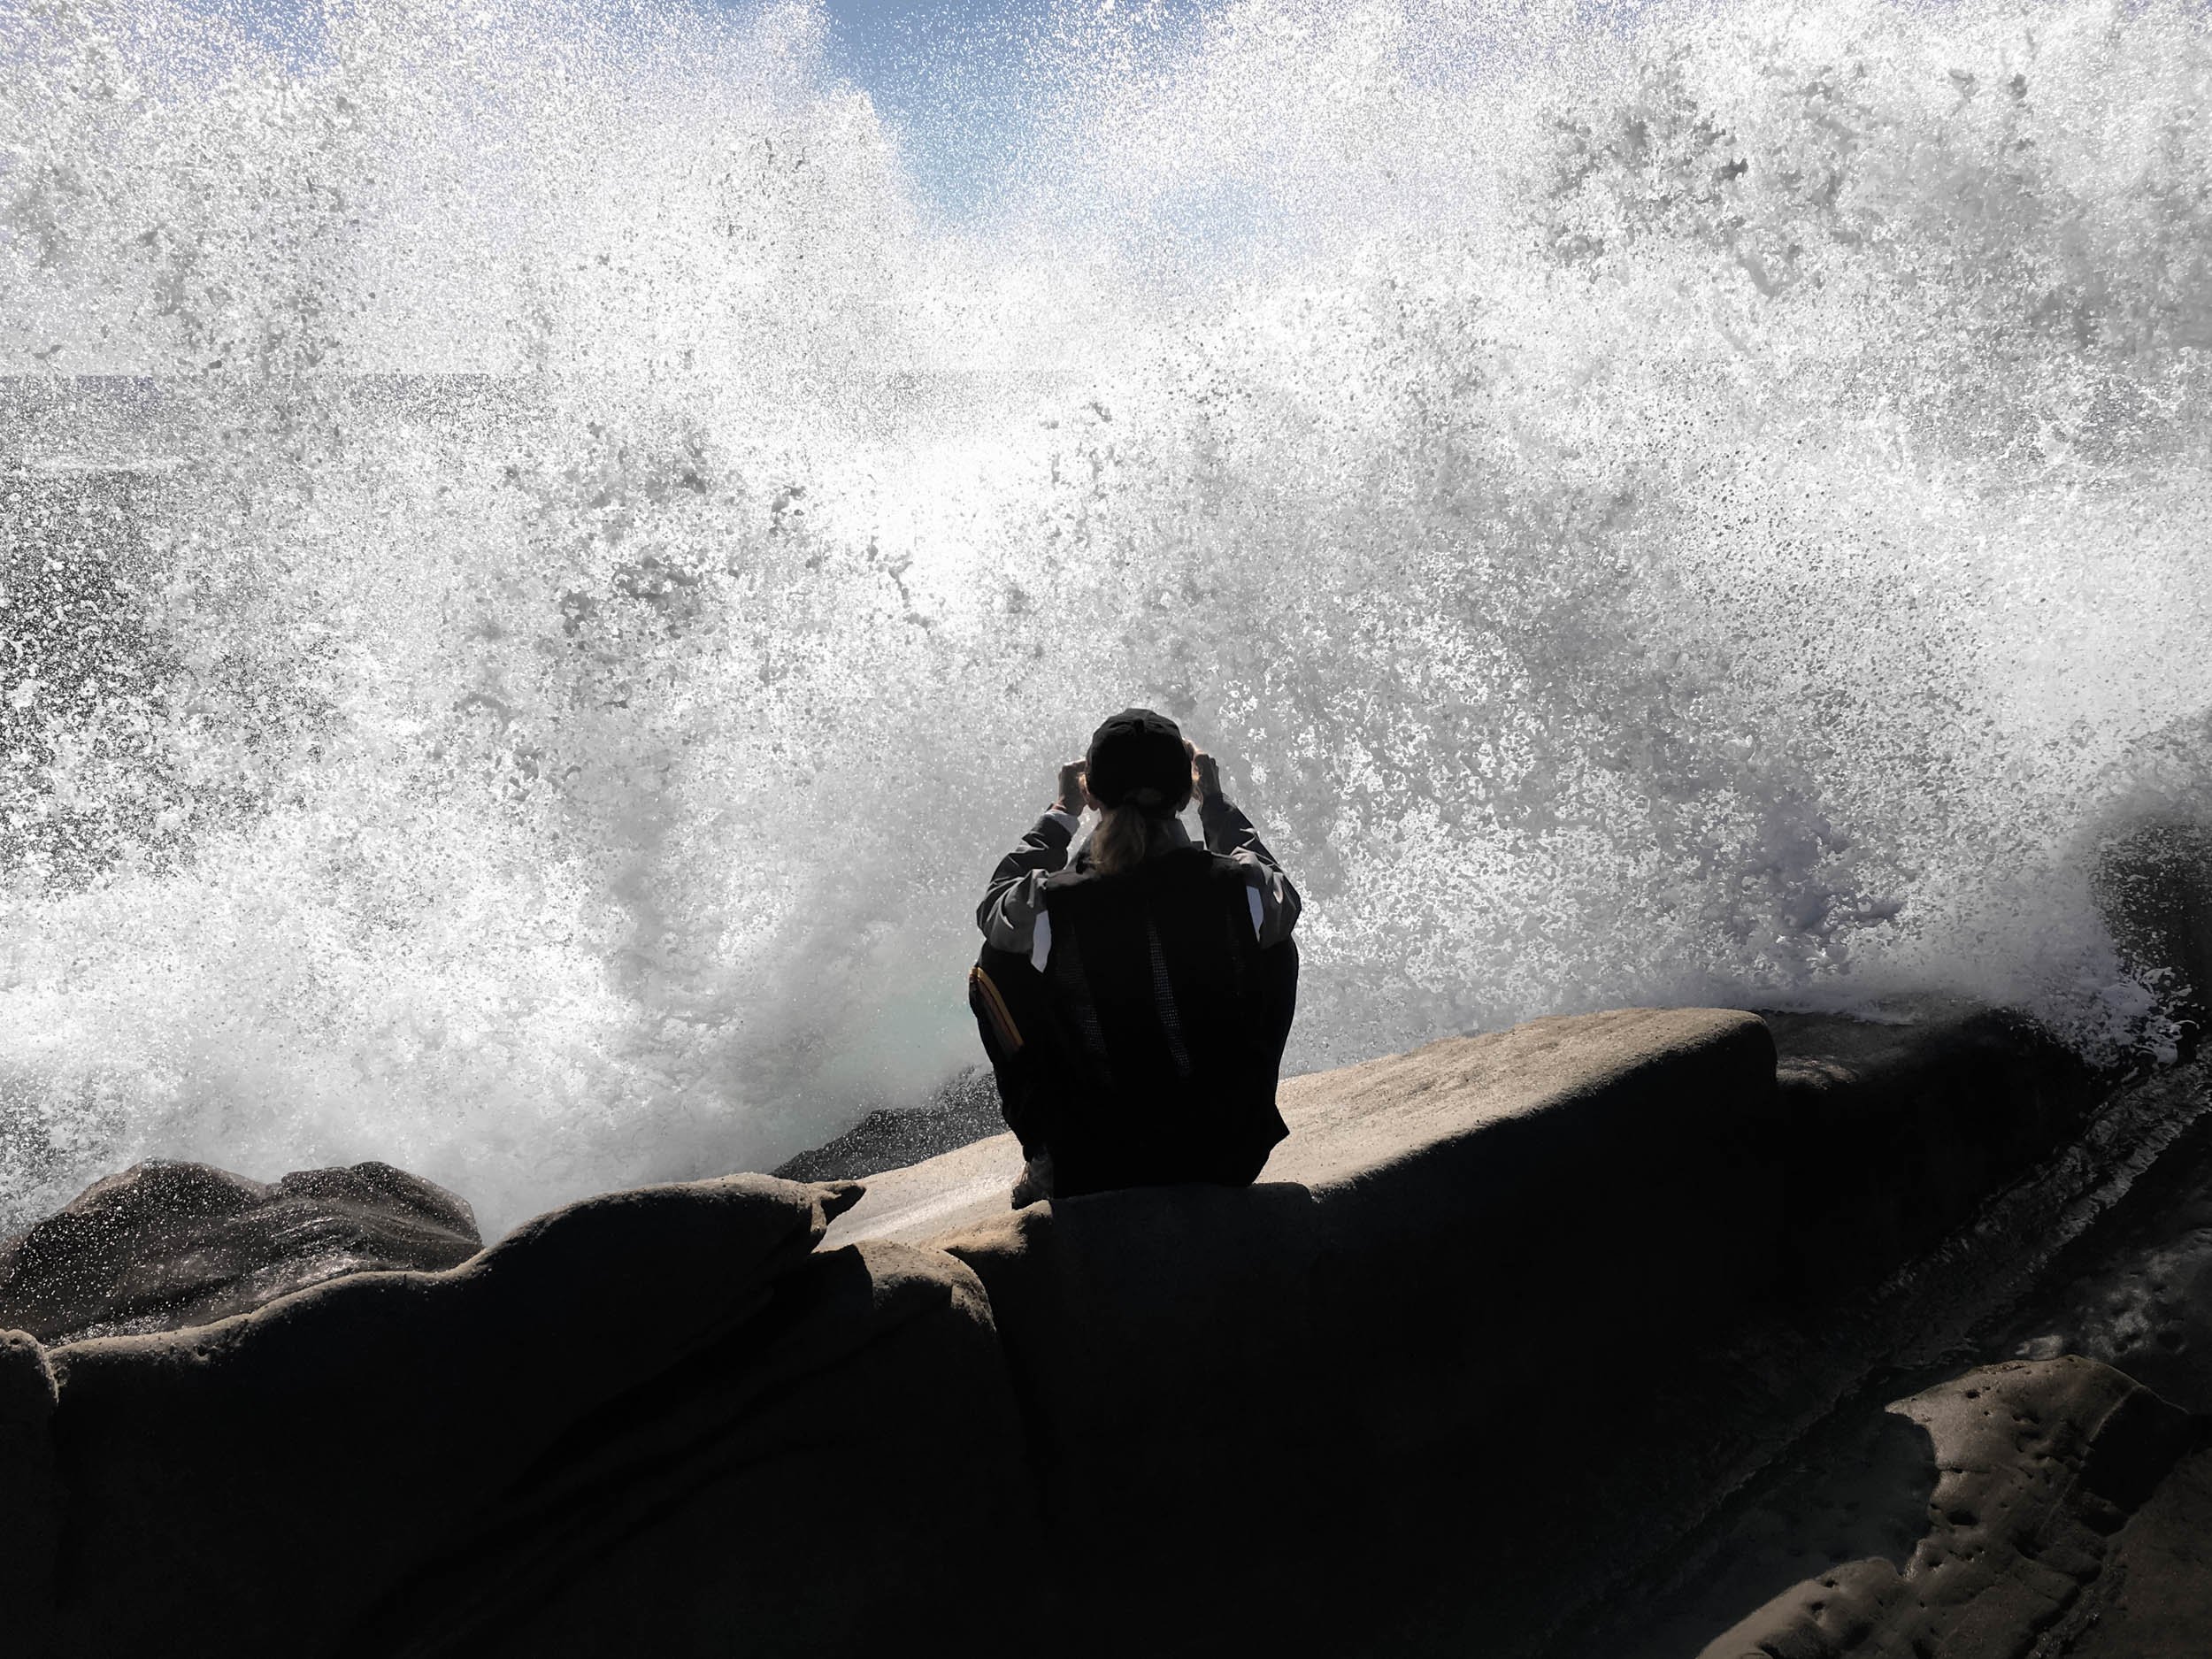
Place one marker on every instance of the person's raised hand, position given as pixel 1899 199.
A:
pixel 1072 792
pixel 1205 772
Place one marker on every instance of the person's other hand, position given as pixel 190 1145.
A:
pixel 1072 792
pixel 1205 772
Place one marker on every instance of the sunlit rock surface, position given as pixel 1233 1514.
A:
pixel 1871 1139
pixel 2038 1464
pixel 1342 1121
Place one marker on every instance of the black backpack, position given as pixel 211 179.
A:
pixel 1164 1034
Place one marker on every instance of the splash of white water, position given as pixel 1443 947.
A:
pixel 575 573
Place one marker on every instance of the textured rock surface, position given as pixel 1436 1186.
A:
pixel 166 1245
pixel 2039 1463
pixel 2137 1291
pixel 2159 1605
pixel 251 1486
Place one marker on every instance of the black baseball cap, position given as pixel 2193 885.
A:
pixel 1138 755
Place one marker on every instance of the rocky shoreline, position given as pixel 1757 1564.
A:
pixel 1645 1332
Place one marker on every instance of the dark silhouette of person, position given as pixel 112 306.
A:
pixel 1135 998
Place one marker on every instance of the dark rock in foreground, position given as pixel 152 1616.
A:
pixel 1504 1264
pixel 1506 1308
pixel 2160 1604
pixel 166 1245
pixel 1452 1261
pixel 842 1474
pixel 1894 1130
pixel 630 1427
pixel 2137 1292
pixel 30 1501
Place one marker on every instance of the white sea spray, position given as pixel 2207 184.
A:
pixel 540 570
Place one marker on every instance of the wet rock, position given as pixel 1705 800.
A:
pixel 965 1110
pixel 1897 1128
pixel 2039 1463
pixel 257 1486
pixel 2135 1288
pixel 166 1245
pixel 2153 882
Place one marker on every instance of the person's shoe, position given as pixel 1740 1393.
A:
pixel 1035 1182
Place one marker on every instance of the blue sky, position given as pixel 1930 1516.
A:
pixel 956 77
pixel 951 76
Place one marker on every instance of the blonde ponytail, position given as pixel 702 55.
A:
pixel 1125 838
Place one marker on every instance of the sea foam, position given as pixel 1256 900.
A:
pixel 542 569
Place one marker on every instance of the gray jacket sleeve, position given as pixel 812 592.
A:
pixel 1008 915
pixel 1230 834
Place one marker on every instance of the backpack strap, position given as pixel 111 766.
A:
pixel 990 1006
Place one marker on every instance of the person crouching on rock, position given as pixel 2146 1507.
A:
pixel 1135 1000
